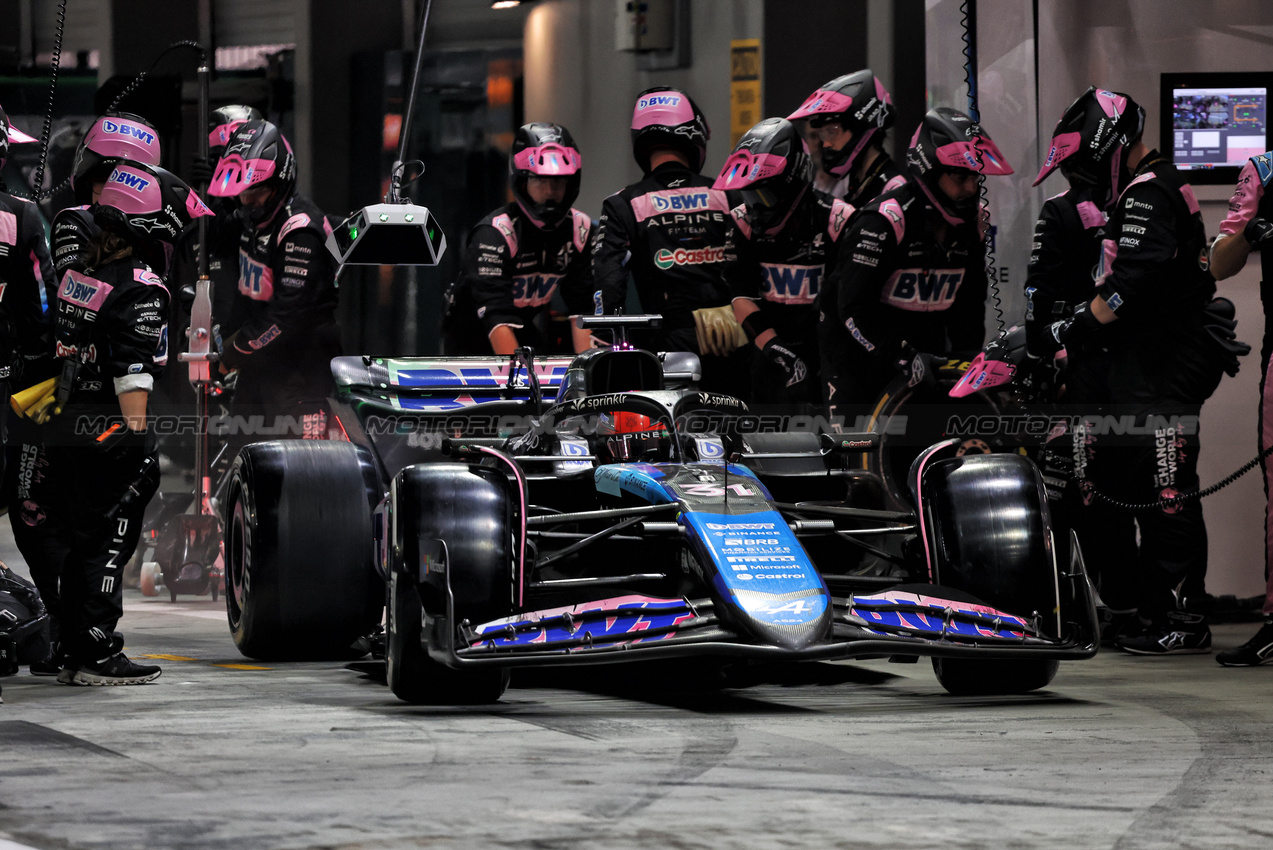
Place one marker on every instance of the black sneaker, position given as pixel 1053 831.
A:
pixel 1117 626
pixel 1258 650
pixel 1180 634
pixel 50 666
pixel 115 670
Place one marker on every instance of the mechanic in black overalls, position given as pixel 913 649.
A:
pixel 1154 316
pixel 286 290
pixel 113 138
pixel 111 333
pixel 910 276
pixel 673 233
pixel 525 252
pixel 789 235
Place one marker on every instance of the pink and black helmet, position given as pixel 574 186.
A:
pixel 256 153
pixel 223 121
pixel 770 170
pixel 113 138
pixel 10 135
pixel 151 207
pixel 947 141
pixel 1092 140
pixel 859 103
pixel 544 150
pixel 667 117
pixel 996 365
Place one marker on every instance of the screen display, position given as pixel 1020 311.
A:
pixel 1219 126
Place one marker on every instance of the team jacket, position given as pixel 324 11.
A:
pixel 512 268
pixel 26 282
pixel 73 229
pixel 881 176
pixel 783 272
pixel 1063 258
pixel 1153 270
pixel 894 282
pixel 287 284
pixel 1251 199
pixel 114 319
pixel 674 234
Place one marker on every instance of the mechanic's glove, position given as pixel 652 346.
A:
pixel 1073 330
pixel 798 377
pixel 918 367
pixel 135 454
pixel 1259 232
pixel 201 172
pixel 718 331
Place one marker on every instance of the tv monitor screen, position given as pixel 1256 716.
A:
pixel 1212 123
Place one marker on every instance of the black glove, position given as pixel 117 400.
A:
pixel 1073 330
pixel 789 362
pixel 918 367
pixel 135 454
pixel 1259 232
pixel 201 172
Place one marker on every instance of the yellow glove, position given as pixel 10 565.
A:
pixel 718 331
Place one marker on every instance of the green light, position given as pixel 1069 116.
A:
pixel 384 216
pixel 430 234
pixel 353 232
pixel 410 217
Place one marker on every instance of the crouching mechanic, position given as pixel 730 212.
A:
pixel 523 253
pixel 112 341
pixel 1249 227
pixel 910 278
pixel 788 230
pixel 287 287
pixel 1168 344
pixel 673 233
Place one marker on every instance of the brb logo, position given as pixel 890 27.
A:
pixel 132 181
pixel 922 291
pixel 680 202
pixel 659 100
pixel 665 259
pixel 787 284
pixel 141 134
pixel 532 290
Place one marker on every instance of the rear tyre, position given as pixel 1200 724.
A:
pixel 968 503
pixel 456 519
pixel 300 583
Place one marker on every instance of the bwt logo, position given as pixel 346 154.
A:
pixel 917 290
pixel 682 203
pixel 132 181
pixel 659 100
pixel 78 291
pixel 532 290
pixel 139 133
pixel 787 284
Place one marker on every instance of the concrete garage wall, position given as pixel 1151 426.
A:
pixel 1124 45
pixel 575 76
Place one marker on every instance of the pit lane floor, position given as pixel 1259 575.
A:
pixel 223 752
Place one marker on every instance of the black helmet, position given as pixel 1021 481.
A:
pixel 150 207
pixel 544 150
pixel 223 121
pixel 667 117
pixel 859 103
pixel 113 138
pixel 1092 140
pixel 947 141
pixel 256 153
pixel 10 135
pixel 770 169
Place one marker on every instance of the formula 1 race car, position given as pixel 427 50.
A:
pixel 600 509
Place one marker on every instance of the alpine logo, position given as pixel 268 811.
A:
pixel 665 259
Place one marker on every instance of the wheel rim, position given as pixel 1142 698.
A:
pixel 238 580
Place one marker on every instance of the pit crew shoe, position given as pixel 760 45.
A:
pixel 50 666
pixel 1258 650
pixel 114 670
pixel 1180 634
